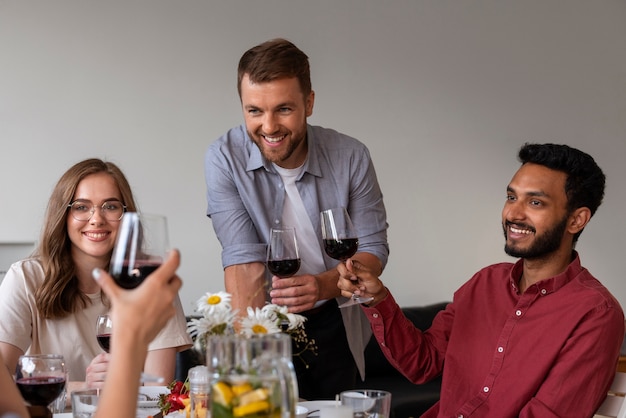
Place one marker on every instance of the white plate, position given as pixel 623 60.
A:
pixel 316 405
pixel 301 411
pixel 140 413
pixel 152 394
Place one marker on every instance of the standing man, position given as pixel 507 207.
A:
pixel 538 338
pixel 276 170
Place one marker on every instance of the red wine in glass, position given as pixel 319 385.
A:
pixel 140 248
pixel 104 327
pixel 131 277
pixel 40 390
pixel 340 241
pixel 40 378
pixel 104 341
pixel 341 249
pixel 284 268
pixel 283 259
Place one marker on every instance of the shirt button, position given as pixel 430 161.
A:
pixel 460 416
pixel 375 315
pixel 486 389
pixel 518 313
pixel 500 349
pixel 544 291
pixel 276 221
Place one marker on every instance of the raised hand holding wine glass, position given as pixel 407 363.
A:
pixel 340 241
pixel 141 246
pixel 283 258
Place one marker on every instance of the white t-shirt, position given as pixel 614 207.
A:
pixel 74 336
pixel 295 215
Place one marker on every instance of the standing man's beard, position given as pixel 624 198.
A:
pixel 544 244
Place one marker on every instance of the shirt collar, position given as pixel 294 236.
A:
pixel 551 284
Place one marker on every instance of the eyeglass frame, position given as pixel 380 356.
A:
pixel 93 209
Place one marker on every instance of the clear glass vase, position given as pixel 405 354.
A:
pixel 251 376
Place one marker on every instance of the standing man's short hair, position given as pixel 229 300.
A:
pixel 274 60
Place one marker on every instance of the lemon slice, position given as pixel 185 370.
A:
pixel 242 388
pixel 222 394
pixel 251 408
pixel 257 395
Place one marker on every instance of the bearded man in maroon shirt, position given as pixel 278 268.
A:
pixel 536 338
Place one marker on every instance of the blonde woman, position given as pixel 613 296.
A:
pixel 49 302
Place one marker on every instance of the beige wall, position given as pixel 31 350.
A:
pixel 443 92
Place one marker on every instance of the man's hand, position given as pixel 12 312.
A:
pixel 298 293
pixel 355 278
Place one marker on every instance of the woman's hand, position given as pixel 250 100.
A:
pixel 97 371
pixel 140 313
pixel 356 278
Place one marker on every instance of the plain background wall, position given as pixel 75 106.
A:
pixel 442 92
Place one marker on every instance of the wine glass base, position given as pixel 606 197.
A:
pixel 38 411
pixel 355 300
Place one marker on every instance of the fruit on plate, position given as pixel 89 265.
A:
pixel 177 399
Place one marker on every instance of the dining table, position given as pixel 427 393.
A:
pixel 147 404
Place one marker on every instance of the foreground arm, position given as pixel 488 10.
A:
pixel 161 363
pixel 158 363
pixel 11 400
pixel 144 311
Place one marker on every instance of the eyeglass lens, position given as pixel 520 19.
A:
pixel 111 210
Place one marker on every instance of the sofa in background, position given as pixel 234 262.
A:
pixel 407 399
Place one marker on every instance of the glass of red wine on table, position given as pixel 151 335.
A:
pixel 40 379
pixel 340 242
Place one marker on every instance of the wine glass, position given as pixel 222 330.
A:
pixel 40 378
pixel 104 327
pixel 340 242
pixel 140 248
pixel 283 259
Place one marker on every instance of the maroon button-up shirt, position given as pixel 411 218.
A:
pixel 549 352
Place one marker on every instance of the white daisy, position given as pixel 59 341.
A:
pixel 217 322
pixel 212 302
pixel 295 321
pixel 199 326
pixel 281 316
pixel 258 322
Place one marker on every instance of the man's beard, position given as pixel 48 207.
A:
pixel 274 157
pixel 544 244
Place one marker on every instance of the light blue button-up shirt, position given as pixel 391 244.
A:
pixel 245 194
pixel 245 198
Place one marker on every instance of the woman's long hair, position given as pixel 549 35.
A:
pixel 59 295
